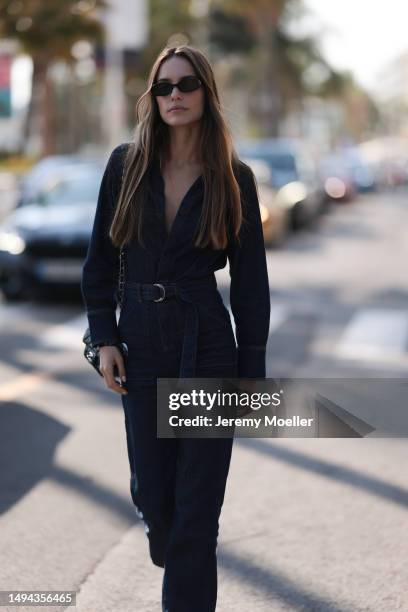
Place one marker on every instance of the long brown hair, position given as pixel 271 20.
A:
pixel 221 215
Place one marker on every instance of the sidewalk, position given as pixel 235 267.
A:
pixel 306 525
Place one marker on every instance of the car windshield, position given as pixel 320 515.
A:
pixel 282 165
pixel 281 161
pixel 78 188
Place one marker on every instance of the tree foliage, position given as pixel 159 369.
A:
pixel 51 26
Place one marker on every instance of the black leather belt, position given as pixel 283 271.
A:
pixel 190 291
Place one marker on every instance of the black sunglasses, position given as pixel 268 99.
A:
pixel 186 84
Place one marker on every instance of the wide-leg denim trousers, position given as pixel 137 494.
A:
pixel 177 484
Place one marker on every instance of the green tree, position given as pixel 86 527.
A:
pixel 275 67
pixel 278 62
pixel 274 63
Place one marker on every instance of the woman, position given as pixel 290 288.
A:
pixel 181 203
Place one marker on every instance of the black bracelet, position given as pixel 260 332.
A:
pixel 107 343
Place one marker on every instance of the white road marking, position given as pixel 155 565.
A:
pixel 279 314
pixel 66 335
pixel 23 385
pixel 13 312
pixel 69 334
pixel 377 334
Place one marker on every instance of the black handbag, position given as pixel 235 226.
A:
pixel 91 353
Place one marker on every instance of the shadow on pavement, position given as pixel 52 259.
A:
pixel 369 484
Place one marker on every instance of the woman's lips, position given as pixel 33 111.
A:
pixel 173 110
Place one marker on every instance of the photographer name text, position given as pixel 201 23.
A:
pixel 267 421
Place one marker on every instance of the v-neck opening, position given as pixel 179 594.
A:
pixel 182 201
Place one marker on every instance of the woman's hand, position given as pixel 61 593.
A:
pixel 110 359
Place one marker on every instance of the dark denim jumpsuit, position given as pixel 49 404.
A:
pixel 177 484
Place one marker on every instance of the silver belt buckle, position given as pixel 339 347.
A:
pixel 161 298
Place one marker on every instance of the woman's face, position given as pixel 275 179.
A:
pixel 192 102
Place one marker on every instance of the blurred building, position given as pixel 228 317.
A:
pixel 392 94
pixel 315 120
pixel 11 118
pixel 126 25
pixel 90 93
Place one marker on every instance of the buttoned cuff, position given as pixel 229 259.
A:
pixel 103 326
pixel 251 361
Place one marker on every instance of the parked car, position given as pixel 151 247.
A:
pixel 294 175
pixel 43 243
pixel 275 218
pixel 32 182
pixel 387 158
pixel 337 178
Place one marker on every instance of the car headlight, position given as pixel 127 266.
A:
pixel 12 243
pixel 264 213
pixel 291 194
pixel 335 187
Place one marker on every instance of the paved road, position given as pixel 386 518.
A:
pixel 307 524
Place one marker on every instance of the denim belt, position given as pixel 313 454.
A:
pixel 191 292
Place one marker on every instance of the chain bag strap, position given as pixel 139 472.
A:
pixel 91 353
pixel 121 282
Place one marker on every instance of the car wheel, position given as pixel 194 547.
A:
pixel 13 289
pixel 296 217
